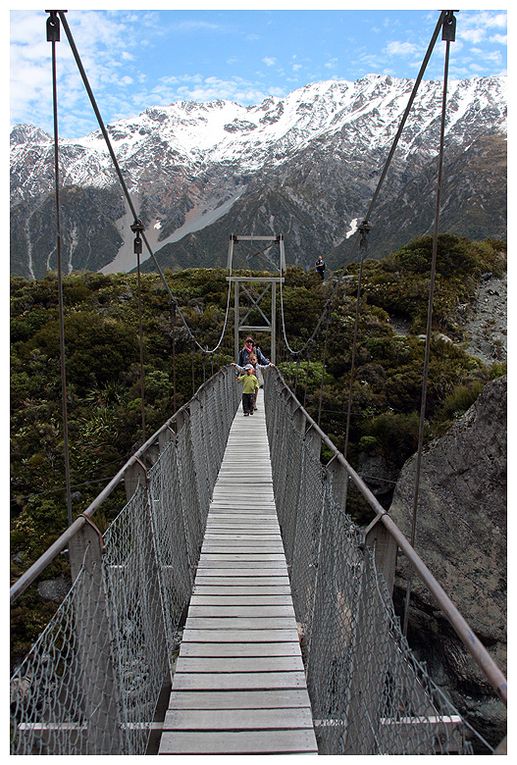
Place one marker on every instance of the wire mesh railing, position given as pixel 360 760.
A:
pixel 369 695
pixel 91 682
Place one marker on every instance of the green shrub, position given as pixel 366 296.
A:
pixel 461 399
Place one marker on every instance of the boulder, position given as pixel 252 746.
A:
pixel 461 536
pixel 54 589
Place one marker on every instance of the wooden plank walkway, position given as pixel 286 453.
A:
pixel 239 685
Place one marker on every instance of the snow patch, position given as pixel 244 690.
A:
pixel 353 228
pixel 195 220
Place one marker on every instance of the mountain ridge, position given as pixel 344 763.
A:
pixel 312 159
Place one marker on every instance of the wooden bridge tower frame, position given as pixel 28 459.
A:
pixel 270 282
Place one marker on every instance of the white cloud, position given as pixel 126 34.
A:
pixel 499 39
pixel 105 42
pixel 485 19
pixel 396 48
pixel 269 60
pixel 474 26
pixel 195 25
pixel 473 35
pixel 199 88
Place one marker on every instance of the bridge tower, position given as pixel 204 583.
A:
pixel 244 289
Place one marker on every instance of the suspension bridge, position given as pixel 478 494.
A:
pixel 234 586
pixel 233 606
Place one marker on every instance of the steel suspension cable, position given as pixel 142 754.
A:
pixel 53 36
pixel 365 226
pixel 380 183
pixel 324 364
pixel 449 29
pixel 128 197
pixel 363 247
pixel 412 97
pixel 138 228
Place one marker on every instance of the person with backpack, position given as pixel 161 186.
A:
pixel 320 267
pixel 249 348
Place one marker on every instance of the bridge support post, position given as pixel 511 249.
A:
pixel 339 479
pixel 96 668
pixel 134 475
pixel 385 548
pixel 246 282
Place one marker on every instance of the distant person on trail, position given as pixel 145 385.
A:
pixel 250 387
pixel 320 267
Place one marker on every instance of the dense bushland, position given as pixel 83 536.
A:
pixel 102 319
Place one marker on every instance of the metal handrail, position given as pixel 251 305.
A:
pixel 471 642
pixel 32 573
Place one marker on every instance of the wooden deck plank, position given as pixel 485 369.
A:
pixel 239 650
pixel 264 566
pixel 251 601
pixel 217 599
pixel 248 580
pixel 214 664
pixel 247 572
pixel 241 610
pixel 238 533
pixel 235 681
pixel 239 684
pixel 238 742
pixel 238 623
pixel 282 698
pixel 240 636
pixel 233 590
pixel 237 719
pixel 236 557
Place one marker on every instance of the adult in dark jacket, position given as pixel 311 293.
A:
pixel 248 349
pixel 320 267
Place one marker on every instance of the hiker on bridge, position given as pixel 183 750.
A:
pixel 256 370
pixel 249 348
pixel 250 386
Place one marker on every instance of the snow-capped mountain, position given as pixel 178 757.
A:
pixel 304 166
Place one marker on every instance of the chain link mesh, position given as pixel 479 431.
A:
pixel 368 693
pixel 91 682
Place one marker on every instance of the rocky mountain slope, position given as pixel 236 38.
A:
pixel 305 166
pixel 462 537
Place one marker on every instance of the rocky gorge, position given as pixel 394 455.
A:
pixel 462 537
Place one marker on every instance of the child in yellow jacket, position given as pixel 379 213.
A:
pixel 250 386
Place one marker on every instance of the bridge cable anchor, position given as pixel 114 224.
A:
pixel 137 228
pixel 53 27
pixel 449 27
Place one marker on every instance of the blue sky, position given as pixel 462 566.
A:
pixel 138 58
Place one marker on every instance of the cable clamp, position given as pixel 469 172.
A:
pixel 449 27
pixel 53 27
pixel 137 228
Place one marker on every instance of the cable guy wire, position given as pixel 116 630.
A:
pixel 128 197
pixel 380 183
pixel 53 36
